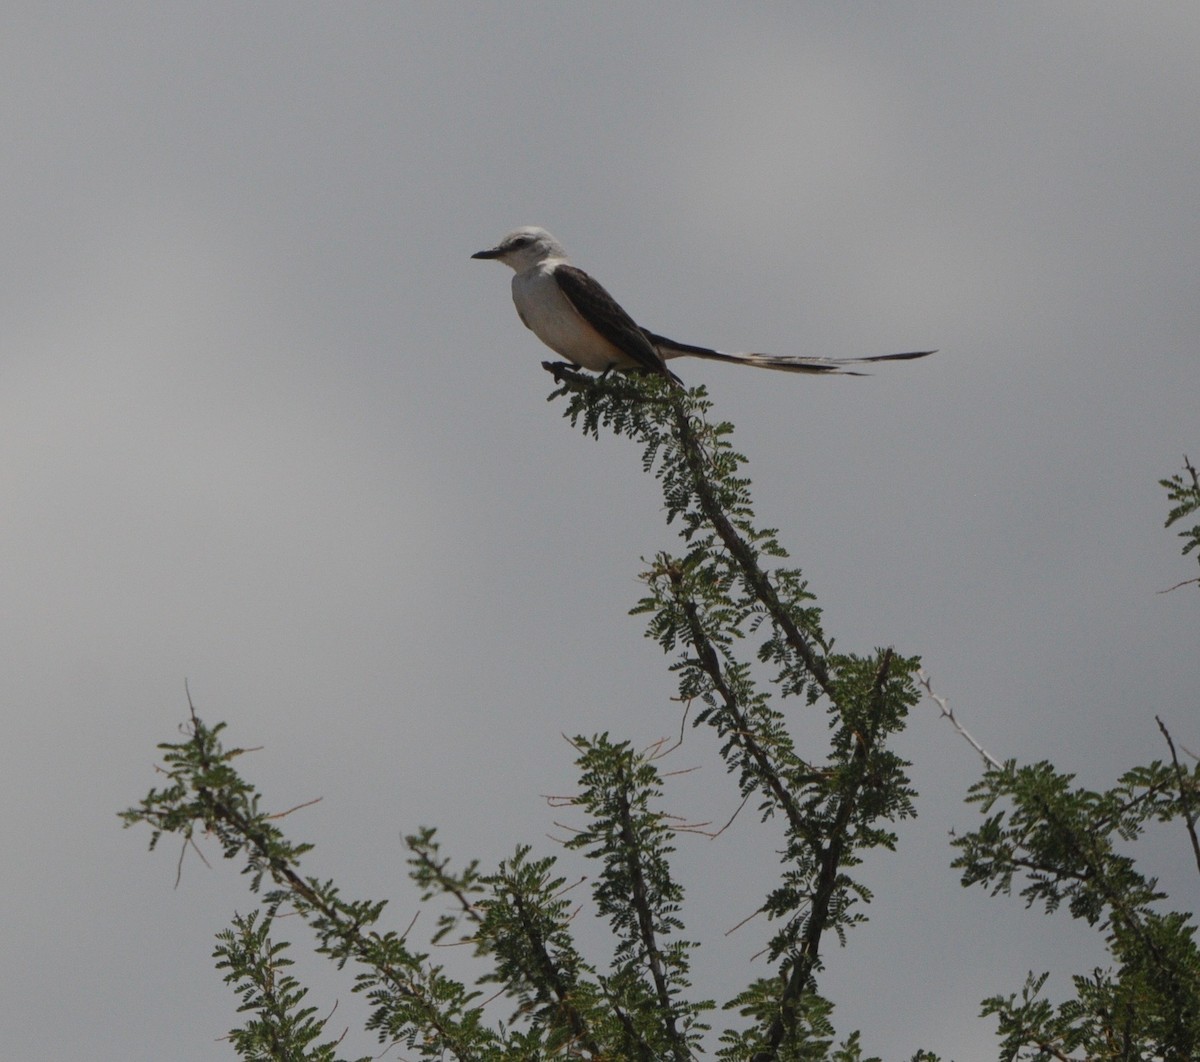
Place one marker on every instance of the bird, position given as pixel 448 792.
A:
pixel 576 317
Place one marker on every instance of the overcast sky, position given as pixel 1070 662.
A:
pixel 267 428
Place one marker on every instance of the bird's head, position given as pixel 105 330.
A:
pixel 524 248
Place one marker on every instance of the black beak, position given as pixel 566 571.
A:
pixel 493 253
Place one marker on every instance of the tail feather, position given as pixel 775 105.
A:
pixel 670 348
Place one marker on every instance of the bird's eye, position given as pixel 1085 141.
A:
pixel 521 241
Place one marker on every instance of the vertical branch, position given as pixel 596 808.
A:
pixel 645 916
pixel 742 733
pixel 544 971
pixel 1185 791
pixel 635 892
pixel 830 863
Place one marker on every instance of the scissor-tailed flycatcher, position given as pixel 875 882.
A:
pixel 573 315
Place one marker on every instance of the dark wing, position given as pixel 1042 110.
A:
pixel 604 314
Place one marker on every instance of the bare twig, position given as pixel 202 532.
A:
pixel 1178 585
pixel 729 821
pixel 948 713
pixel 306 804
pixel 749 918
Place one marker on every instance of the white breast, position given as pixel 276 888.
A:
pixel 549 314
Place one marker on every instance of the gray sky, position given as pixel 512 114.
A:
pixel 268 428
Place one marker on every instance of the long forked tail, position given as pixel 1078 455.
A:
pixel 670 348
